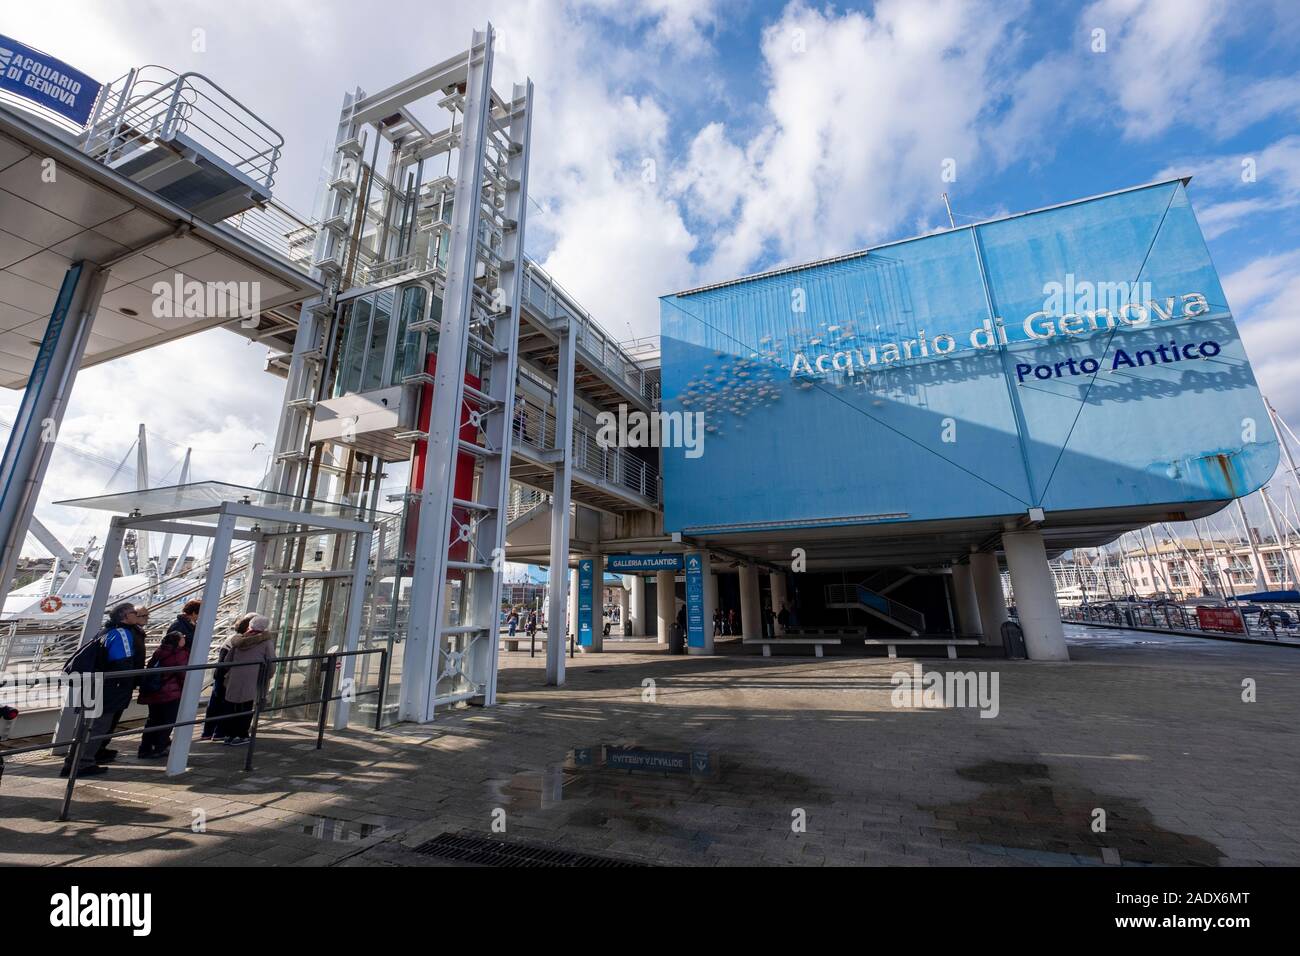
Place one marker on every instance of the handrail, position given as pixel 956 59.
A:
pixel 81 737
pixel 591 336
pixel 183 103
pixel 63 638
pixel 860 594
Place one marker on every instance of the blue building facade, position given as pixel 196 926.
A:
pixel 1078 357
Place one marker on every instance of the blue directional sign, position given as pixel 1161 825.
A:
pixel 586 592
pixel 46 81
pixel 694 601
pixel 643 562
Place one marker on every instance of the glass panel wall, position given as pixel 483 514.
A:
pixel 376 327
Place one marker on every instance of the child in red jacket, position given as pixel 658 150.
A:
pixel 162 693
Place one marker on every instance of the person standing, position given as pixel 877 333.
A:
pixel 119 646
pixel 513 621
pixel 186 620
pixel 161 693
pixel 243 687
pixel 217 706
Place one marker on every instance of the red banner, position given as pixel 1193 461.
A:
pixel 1220 619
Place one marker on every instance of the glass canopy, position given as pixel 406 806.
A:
pixel 211 495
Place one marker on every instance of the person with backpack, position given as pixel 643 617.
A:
pixel 161 693
pixel 119 646
pixel 243 687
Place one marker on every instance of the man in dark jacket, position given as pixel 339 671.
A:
pixel 121 649
pixel 186 620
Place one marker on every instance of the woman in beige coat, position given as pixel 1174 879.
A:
pixel 255 646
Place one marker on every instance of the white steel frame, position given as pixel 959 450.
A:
pixel 228 515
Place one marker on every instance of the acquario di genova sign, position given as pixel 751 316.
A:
pixel 46 81
pixel 1044 326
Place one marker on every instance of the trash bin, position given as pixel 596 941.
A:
pixel 676 640
pixel 1013 641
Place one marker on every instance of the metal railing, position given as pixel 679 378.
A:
pixel 522 500
pixel 1254 621
pixel 153 103
pixel 534 423
pixel 82 738
pixel 858 594
pixel 280 229
pixel 48 646
pixel 614 465
pixel 557 307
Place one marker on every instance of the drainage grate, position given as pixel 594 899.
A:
pixel 486 852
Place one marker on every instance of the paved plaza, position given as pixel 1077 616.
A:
pixel 736 759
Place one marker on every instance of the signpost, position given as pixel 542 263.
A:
pixel 694 601
pixel 631 563
pixel 586 591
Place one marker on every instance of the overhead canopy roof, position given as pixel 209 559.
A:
pixel 201 503
pixel 89 212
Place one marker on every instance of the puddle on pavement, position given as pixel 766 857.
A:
pixel 642 787
pixel 1024 810
pixel 335 830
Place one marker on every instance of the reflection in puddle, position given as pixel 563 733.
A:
pixel 667 793
pixel 339 831
pixel 630 776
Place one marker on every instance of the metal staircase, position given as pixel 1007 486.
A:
pixel 859 597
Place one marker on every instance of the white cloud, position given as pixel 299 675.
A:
pixel 1242 185
pixel 206 392
pixel 863 112
pixel 1263 296
pixel 1159 67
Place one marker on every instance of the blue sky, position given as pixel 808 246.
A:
pixel 685 141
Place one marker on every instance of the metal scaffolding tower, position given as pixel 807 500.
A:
pixel 412 356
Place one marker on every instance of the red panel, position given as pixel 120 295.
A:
pixel 464 487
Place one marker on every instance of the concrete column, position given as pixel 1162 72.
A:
pixel 964 602
pixel 1031 579
pixel 665 602
pixel 623 603
pixel 751 606
pixel 637 613
pixel 710 601
pixel 779 598
pixel 988 595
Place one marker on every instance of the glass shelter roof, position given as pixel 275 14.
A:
pixel 202 502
